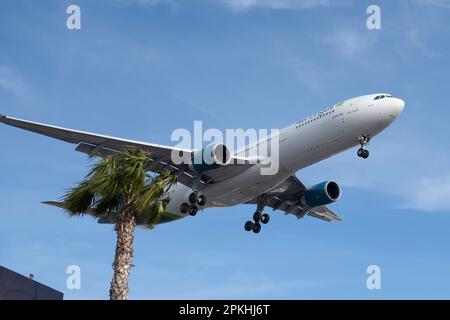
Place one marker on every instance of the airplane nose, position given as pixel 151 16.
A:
pixel 397 106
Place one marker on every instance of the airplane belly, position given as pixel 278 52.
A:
pixel 243 187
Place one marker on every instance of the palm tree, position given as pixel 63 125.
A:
pixel 119 187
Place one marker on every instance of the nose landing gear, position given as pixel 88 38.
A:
pixel 363 140
pixel 258 217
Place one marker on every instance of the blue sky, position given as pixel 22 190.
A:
pixel 141 68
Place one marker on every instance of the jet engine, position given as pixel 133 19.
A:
pixel 210 157
pixel 321 194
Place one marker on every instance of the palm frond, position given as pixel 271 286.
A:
pixel 78 199
pixel 119 180
pixel 153 211
pixel 154 190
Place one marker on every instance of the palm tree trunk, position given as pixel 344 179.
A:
pixel 125 228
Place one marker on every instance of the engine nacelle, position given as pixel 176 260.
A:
pixel 210 157
pixel 321 194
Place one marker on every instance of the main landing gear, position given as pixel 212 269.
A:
pixel 363 141
pixel 195 200
pixel 258 217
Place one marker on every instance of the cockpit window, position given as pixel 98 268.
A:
pixel 382 96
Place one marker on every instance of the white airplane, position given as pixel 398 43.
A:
pixel 226 183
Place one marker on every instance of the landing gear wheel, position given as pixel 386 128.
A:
pixel 265 218
pixel 360 152
pixel 193 197
pixel 257 216
pixel 363 141
pixel 193 210
pixel 256 227
pixel 201 200
pixel 248 226
pixel 184 208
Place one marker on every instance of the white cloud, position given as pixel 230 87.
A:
pixel 143 2
pixel 347 43
pixel 419 25
pixel 318 74
pixel 307 72
pixel 148 3
pixel 413 43
pixel 435 3
pixel 240 5
pixel 11 83
pixel 430 194
pixel 420 45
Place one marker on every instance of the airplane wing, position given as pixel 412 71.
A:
pixel 285 197
pixel 96 144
